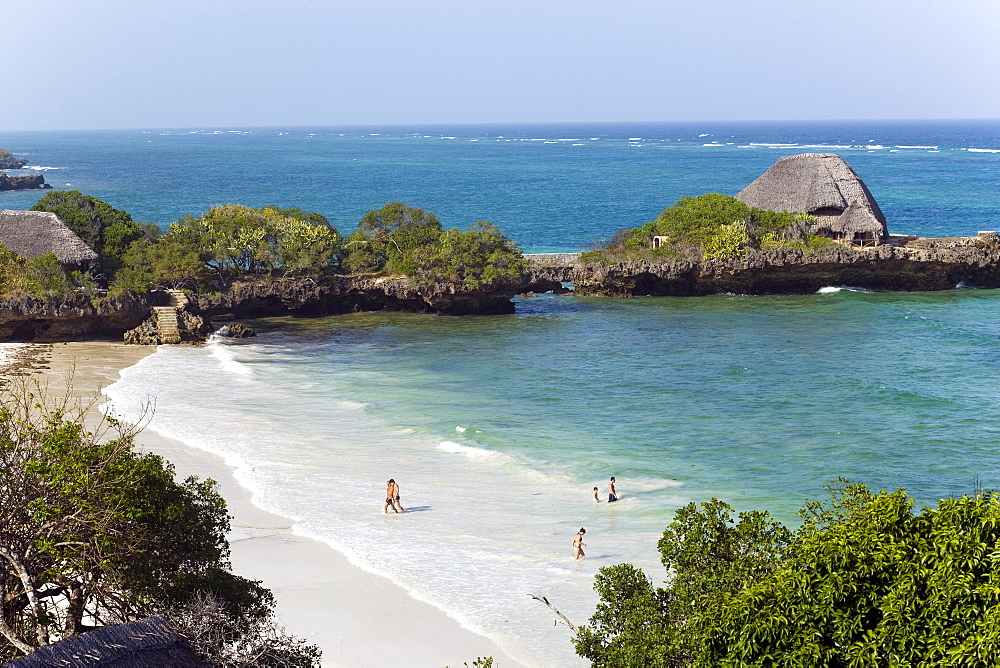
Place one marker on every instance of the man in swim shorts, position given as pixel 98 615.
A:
pixel 612 495
pixel 391 494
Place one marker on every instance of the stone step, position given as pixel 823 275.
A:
pixel 178 298
pixel 166 324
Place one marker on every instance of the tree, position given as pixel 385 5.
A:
pixel 400 239
pixel 710 557
pixel 387 238
pixel 94 533
pixel 230 242
pixel 107 230
pixel 864 581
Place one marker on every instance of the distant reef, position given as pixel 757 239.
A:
pixel 22 182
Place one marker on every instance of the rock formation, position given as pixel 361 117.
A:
pixel 917 265
pixel 71 318
pixel 8 161
pixel 22 182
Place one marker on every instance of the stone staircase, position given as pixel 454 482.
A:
pixel 166 317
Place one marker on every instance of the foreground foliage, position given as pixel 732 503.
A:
pixel 864 581
pixel 94 533
pixel 711 226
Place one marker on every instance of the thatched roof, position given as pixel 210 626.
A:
pixel 149 643
pixel 34 233
pixel 822 185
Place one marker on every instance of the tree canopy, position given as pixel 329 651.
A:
pixel 400 239
pixel 230 242
pixel 865 580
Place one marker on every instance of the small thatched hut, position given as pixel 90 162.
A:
pixel 149 643
pixel 34 233
pixel 824 186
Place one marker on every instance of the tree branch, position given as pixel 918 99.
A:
pixel 544 600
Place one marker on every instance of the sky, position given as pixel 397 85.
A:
pixel 89 64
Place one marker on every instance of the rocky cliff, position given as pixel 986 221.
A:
pixel 918 266
pixel 8 161
pixel 71 318
pixel 22 182
pixel 345 294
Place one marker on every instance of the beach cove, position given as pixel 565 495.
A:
pixel 304 575
pixel 498 442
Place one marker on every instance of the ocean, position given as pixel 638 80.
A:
pixel 498 428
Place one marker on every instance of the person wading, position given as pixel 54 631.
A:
pixel 578 544
pixel 391 497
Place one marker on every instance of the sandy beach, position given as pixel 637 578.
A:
pixel 356 617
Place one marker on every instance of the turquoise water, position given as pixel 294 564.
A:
pixel 498 428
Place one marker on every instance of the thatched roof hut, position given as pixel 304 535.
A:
pixel 34 233
pixel 822 185
pixel 148 643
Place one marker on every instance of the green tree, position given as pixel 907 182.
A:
pixel 107 230
pixel 94 533
pixel 710 556
pixel 230 242
pixel 864 581
pixel 388 237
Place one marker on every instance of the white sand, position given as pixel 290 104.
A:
pixel 356 617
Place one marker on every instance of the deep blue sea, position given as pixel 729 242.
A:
pixel 498 428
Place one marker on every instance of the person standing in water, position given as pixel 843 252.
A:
pixel 578 544
pixel 612 495
pixel 391 496
pixel 596 498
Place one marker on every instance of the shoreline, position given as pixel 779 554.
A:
pixel 357 618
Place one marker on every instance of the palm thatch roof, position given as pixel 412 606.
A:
pixel 149 643
pixel 822 185
pixel 34 233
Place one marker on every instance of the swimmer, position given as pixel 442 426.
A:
pixel 578 544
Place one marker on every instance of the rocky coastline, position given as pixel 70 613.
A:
pixel 912 265
pixel 23 182
pixel 906 266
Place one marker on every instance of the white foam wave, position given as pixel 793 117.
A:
pixel 900 146
pixel 227 360
pixel 833 289
pixel 460 429
pixel 713 144
pixel 983 150
pixel 771 145
pixel 40 168
pixel 705 134
pixel 468 450
pixel 635 138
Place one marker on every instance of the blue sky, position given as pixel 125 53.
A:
pixel 78 64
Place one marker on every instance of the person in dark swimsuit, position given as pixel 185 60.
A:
pixel 390 496
pixel 612 495
pixel 578 544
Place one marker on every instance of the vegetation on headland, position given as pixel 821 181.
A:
pixel 710 226
pixel 864 581
pixel 93 532
pixel 233 243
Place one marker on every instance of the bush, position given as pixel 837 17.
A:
pixel 710 226
pixel 864 581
